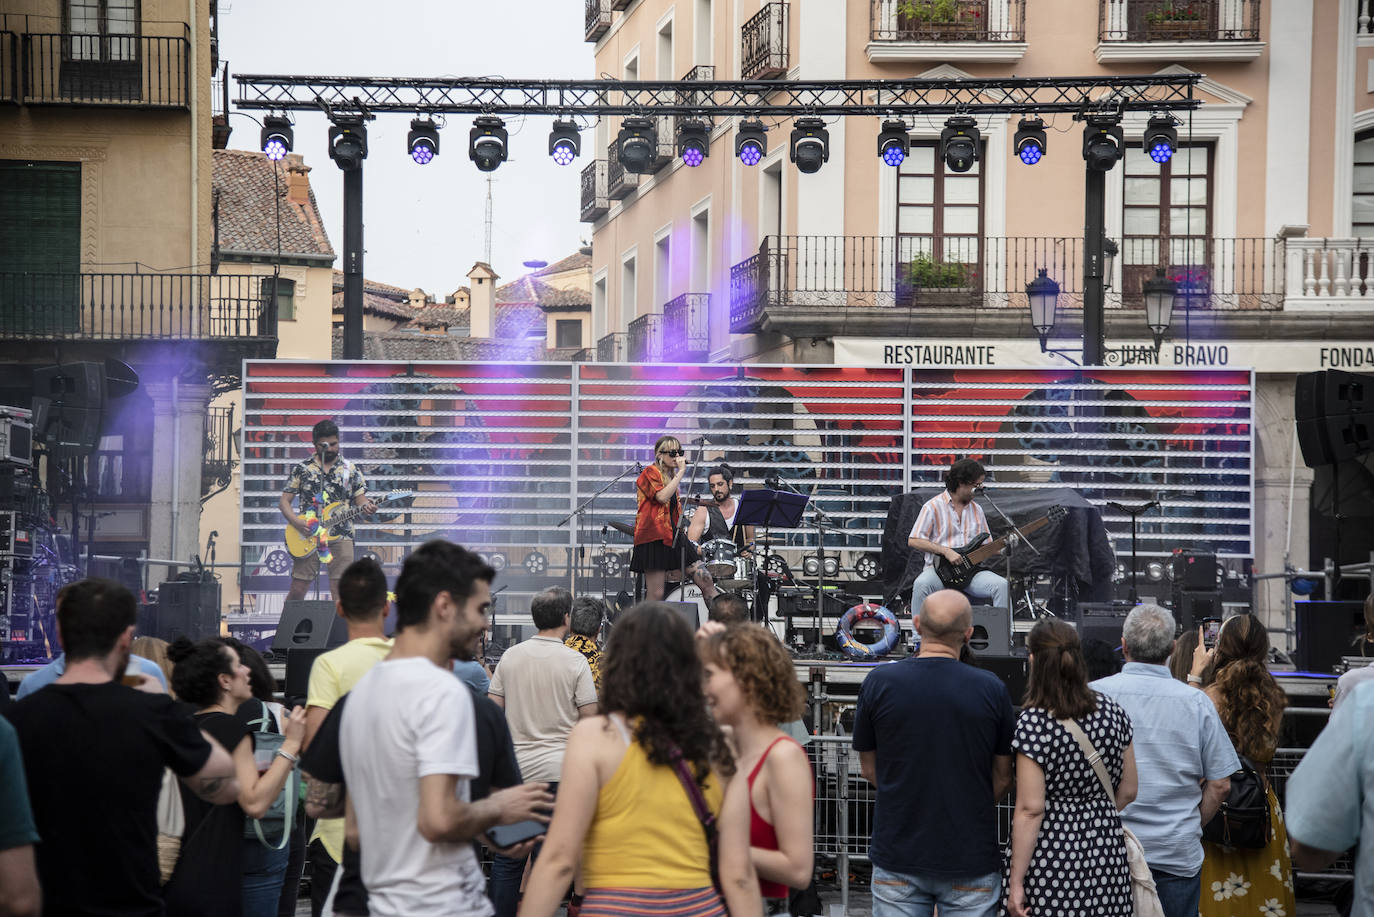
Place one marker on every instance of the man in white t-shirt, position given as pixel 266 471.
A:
pixel 409 748
pixel 545 688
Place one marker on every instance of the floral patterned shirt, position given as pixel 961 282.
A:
pixel 342 483
pixel 587 647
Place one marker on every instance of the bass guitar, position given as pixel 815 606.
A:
pixel 333 516
pixel 956 575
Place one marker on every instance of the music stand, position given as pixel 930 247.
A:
pixel 764 507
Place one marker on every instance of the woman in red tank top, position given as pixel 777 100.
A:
pixel 752 688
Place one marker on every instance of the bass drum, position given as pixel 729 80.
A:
pixel 690 594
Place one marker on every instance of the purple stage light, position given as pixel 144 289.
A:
pixel 750 154
pixel 563 153
pixel 275 150
pixel 894 155
pixel 1030 154
pixel 692 156
pixel 1161 152
pixel 422 153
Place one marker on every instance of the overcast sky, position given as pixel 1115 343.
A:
pixel 423 225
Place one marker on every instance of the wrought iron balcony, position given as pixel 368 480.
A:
pixel 686 328
pixel 595 203
pixel 763 43
pixel 139 307
pixel 598 13
pixel 612 348
pixel 1178 20
pixel 126 71
pixel 620 184
pixel 9 67
pixel 646 338
pixel 828 275
pixel 221 450
pixel 947 20
pixel 695 97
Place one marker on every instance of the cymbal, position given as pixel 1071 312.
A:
pixel 628 529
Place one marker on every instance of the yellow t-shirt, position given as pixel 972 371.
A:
pixel 331 677
pixel 645 833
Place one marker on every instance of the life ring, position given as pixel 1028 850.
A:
pixel 844 631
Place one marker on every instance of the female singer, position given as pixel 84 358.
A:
pixel 657 516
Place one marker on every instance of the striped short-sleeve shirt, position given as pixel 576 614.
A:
pixel 945 524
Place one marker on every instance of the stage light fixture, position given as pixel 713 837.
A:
pixel 499 561
pixel 751 141
pixel 277 137
pixel 809 148
pixel 423 141
pixel 1103 142
pixel 348 143
pixel 959 143
pixel 1030 141
pixel 893 143
pixel 774 564
pixel 1154 570
pixel 1161 140
pixel 535 563
pixel 868 567
pixel 610 563
pixel 811 565
pixel 487 143
pixel 565 142
pixel 636 145
pixel 693 142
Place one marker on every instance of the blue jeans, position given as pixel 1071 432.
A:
pixel 1178 895
pixel 985 584
pixel 898 895
pixel 263 871
pixel 503 882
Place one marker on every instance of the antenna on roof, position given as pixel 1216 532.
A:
pixel 488 220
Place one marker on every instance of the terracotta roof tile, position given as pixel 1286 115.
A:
pixel 578 260
pixel 249 186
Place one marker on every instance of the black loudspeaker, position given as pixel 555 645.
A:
pixel 1014 671
pixel 1334 412
pixel 297 681
pixel 1191 607
pixel 1196 570
pixel 184 609
pixel 75 385
pixel 1326 632
pixel 991 631
pixel 309 624
pixel 690 613
pixel 69 405
pixel 1101 621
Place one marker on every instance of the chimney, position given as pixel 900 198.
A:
pixel 482 302
pixel 297 179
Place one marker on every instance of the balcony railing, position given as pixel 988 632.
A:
pixel 612 348
pixel 646 339
pixel 1364 17
pixel 695 97
pixel 934 20
pixel 1179 20
pixel 219 108
pixel 128 71
pixel 686 328
pixel 595 203
pixel 1329 273
pixel 598 14
pixel 846 272
pixel 619 183
pixel 9 67
pixel 125 307
pixel 217 468
pixel 763 43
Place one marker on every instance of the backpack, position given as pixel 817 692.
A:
pixel 281 816
pixel 1243 819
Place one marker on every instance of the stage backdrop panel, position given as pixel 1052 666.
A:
pixel 500 455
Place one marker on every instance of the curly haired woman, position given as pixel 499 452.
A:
pixel 623 813
pixel 1237 881
pixel 752 687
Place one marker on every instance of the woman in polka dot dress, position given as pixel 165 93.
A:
pixel 1068 858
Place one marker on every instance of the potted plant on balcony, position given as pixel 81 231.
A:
pixel 1177 20
pixel 925 279
pixel 941 20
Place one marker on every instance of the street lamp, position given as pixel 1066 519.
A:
pixel 1043 294
pixel 1160 293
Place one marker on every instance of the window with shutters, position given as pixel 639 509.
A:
pixel 40 246
pixel 1362 206
pixel 939 220
pixel 100 56
pixel 1167 219
pixel 285 297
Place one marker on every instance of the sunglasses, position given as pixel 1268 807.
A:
pixel 671 452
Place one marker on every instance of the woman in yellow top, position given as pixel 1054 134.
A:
pixel 622 812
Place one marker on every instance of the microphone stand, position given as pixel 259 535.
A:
pixel 819 519
pixel 683 524
pixel 982 492
pixel 1135 512
pixel 583 507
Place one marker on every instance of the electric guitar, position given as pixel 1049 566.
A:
pixel 334 515
pixel 957 575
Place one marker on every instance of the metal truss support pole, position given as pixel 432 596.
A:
pixel 1094 231
pixel 353 263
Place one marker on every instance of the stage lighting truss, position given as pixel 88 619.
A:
pixel 959 143
pixel 1161 139
pixel 565 142
pixel 487 143
pixel 893 143
pixel 1103 142
pixel 751 141
pixel 809 148
pixel 422 143
pixel 693 142
pixel 348 143
pixel 636 145
pixel 536 564
pixel 1030 143
pixel 277 137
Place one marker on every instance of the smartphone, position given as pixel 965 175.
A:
pixel 1210 628
pixel 509 835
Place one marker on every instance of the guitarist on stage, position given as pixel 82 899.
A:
pixel 327 478
pixel 948 521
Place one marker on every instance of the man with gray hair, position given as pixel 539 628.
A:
pixel 585 623
pixel 545 688
pixel 1182 755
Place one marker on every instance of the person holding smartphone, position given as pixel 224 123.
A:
pixel 659 547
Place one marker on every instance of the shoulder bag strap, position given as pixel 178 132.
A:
pixel 1092 755
pixel 694 795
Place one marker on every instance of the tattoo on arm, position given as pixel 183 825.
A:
pixel 324 800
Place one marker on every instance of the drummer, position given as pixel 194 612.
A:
pixel 718 519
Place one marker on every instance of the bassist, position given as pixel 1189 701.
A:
pixel 948 521
pixel 327 478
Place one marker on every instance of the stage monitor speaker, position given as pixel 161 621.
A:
pixel 297 681
pixel 1014 671
pixel 991 631
pixel 186 609
pixel 1101 621
pixel 1196 570
pixel 1326 631
pixel 1191 607
pixel 690 613
pixel 309 624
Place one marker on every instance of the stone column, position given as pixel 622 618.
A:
pixel 179 412
pixel 1274 462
